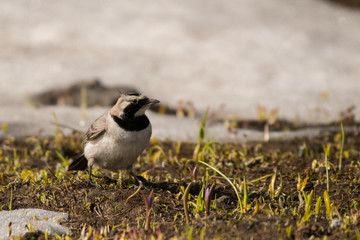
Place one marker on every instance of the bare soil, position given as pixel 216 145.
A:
pixel 164 165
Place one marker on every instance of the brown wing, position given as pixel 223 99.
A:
pixel 97 129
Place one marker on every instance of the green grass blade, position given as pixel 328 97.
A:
pixel 327 154
pixel 318 206
pixel 228 180
pixel 202 127
pixel 328 205
pixel 11 198
pixel 308 202
pixel 245 194
pixel 272 186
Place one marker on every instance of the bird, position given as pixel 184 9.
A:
pixel 116 138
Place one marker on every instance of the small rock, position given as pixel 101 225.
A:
pixel 335 223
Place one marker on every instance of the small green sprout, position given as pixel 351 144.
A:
pixel 202 233
pixel 11 199
pixel 200 200
pixel 302 183
pixel 202 131
pixel 318 206
pixel 190 233
pixel 329 208
pixel 246 194
pixel 272 192
pixel 3 179
pixel 303 148
pixel 289 231
pixel 308 201
pixel 178 147
pixel 327 154
pixel 30 227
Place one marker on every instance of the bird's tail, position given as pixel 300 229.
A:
pixel 79 163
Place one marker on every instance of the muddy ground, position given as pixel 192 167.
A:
pixel 283 197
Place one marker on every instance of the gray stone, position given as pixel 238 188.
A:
pixel 335 223
pixel 39 219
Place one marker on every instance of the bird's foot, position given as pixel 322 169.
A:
pixel 107 179
pixel 91 183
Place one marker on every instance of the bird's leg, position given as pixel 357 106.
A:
pixel 90 182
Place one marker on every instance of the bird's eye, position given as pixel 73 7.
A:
pixel 134 101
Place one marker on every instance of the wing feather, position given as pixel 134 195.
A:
pixel 80 163
pixel 97 129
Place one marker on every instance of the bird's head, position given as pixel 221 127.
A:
pixel 132 105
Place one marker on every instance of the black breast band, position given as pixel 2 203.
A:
pixel 132 124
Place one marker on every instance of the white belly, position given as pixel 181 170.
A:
pixel 117 149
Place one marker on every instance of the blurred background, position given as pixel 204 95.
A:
pixel 301 57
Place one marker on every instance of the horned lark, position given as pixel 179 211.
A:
pixel 117 137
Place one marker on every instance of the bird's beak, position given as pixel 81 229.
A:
pixel 152 101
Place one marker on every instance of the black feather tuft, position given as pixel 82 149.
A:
pixel 81 163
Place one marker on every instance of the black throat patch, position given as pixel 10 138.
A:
pixel 132 124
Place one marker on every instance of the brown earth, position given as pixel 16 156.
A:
pixel 164 165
